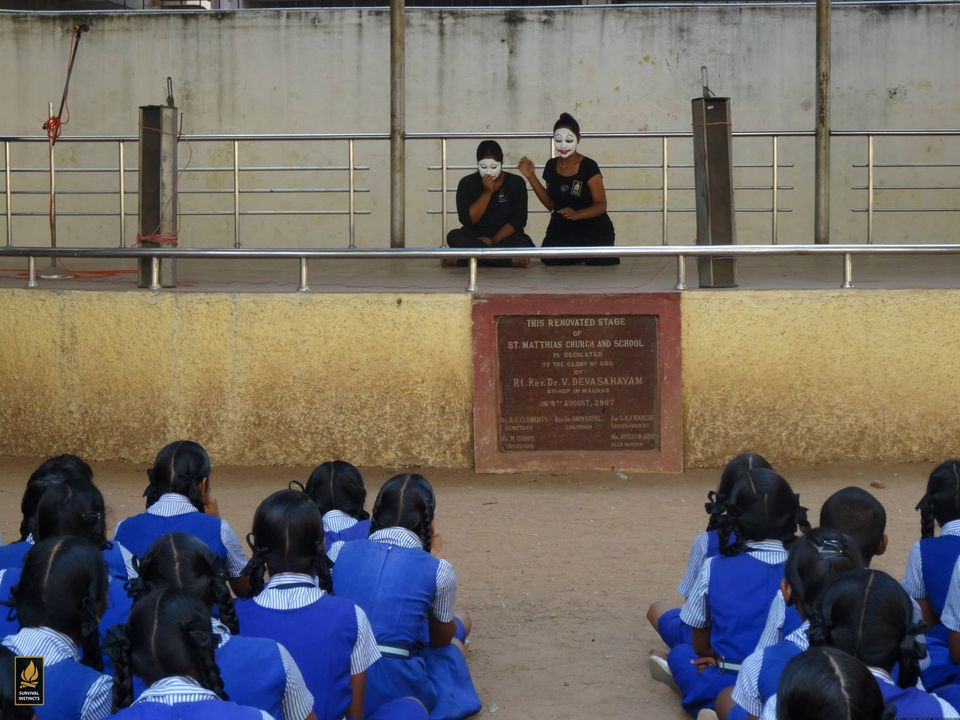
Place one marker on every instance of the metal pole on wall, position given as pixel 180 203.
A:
pixel 397 150
pixel 821 212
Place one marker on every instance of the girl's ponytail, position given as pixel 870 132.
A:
pixel 118 649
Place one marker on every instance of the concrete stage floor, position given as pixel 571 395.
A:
pixel 374 276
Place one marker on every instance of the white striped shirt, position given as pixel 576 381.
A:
pixel 365 652
pixel 297 701
pixel 776 617
pixel 337 521
pixel 951 608
pixel 913 576
pixel 698 555
pixel 55 647
pixel 173 504
pixel 746 692
pixel 181 689
pixel 696 610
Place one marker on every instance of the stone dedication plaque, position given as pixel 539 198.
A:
pixel 577 382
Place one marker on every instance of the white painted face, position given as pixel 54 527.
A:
pixel 565 141
pixel 489 166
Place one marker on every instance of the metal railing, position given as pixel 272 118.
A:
pixel 236 189
pixel 679 252
pixel 663 208
pixel 662 191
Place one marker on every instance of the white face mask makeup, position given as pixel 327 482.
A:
pixel 565 141
pixel 489 166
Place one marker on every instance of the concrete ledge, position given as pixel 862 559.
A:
pixel 256 378
pixel 387 379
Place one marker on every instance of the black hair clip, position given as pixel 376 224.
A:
pixel 91 517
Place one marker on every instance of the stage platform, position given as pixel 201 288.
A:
pixel 426 276
pixel 376 363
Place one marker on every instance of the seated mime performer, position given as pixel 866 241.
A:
pixel 492 205
pixel 574 196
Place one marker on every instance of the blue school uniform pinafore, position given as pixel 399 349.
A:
pixel 911 703
pixel 938 557
pixel 396 587
pixel 252 673
pixel 775 659
pixel 67 681
pixel 200 710
pixel 739 593
pixel 139 532
pixel 11 556
pixel 320 637
pixel 360 531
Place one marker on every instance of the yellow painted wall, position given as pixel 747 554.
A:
pixel 814 376
pixel 255 378
pixel 805 376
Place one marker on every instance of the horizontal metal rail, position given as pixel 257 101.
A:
pixel 679 252
pixel 639 204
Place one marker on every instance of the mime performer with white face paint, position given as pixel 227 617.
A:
pixel 492 205
pixel 574 195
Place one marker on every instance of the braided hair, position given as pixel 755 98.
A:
pixel 406 501
pixel 180 467
pixel 63 586
pixel 338 485
pixel 66 509
pixel 716 504
pixel 941 502
pixel 287 537
pixel 168 634
pixel 815 560
pixel 826 684
pixel 868 614
pixel 183 561
pixel 761 506
pixel 57 469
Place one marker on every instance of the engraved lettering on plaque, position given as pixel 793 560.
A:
pixel 578 382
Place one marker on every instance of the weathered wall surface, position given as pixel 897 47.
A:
pixel 799 376
pixel 616 68
pixel 821 376
pixel 255 378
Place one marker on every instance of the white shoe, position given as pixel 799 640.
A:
pixel 660 671
pixel 706 715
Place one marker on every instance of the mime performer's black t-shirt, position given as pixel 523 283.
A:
pixel 570 191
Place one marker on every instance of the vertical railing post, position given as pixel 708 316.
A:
pixel 9 177
pixel 847 271
pixel 821 206
pixel 32 272
pixel 154 273
pixel 774 193
pixel 472 282
pixel 681 273
pixel 443 192
pixel 352 196
pixel 236 193
pixel 398 156
pixel 665 189
pixel 123 195
pixel 869 189
pixel 303 276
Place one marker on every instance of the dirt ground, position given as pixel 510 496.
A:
pixel 557 570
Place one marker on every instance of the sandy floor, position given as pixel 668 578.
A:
pixel 558 570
